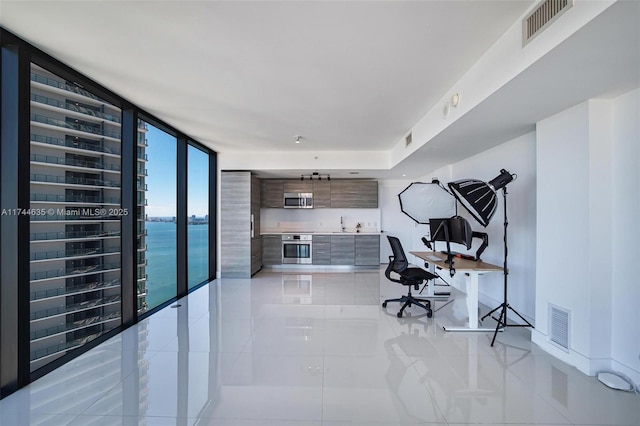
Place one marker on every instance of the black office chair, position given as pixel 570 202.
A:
pixel 411 277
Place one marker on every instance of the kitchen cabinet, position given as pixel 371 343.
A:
pixel 256 240
pixel 367 250
pixel 321 194
pixel 241 255
pixel 354 193
pixel 343 249
pixel 297 186
pixel 330 249
pixel 272 193
pixel 340 193
pixel 321 250
pixel 272 250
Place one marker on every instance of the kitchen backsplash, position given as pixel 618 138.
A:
pixel 318 220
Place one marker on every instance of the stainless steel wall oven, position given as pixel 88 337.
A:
pixel 296 249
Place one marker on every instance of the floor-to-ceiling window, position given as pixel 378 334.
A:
pixel 198 216
pixel 157 208
pixel 94 209
pixel 75 215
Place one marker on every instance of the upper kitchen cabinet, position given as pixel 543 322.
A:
pixel 272 193
pixel 321 194
pixel 295 186
pixel 354 193
pixel 337 193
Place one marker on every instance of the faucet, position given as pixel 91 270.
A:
pixel 341 224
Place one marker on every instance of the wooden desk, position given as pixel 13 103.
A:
pixel 471 270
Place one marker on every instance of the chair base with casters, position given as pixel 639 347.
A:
pixel 410 277
pixel 409 300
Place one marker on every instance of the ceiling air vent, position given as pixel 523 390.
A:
pixel 542 16
pixel 408 139
pixel 559 326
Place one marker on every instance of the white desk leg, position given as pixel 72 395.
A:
pixel 472 290
pixel 471 282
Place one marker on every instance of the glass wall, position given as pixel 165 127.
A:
pixel 198 216
pixel 75 216
pixel 90 213
pixel 157 211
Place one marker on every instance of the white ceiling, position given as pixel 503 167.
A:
pixel 346 75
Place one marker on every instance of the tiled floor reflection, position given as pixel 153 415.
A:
pixel 314 349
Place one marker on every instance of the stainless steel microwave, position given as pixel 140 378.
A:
pixel 298 200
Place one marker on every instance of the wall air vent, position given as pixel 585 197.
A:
pixel 542 16
pixel 559 326
pixel 408 139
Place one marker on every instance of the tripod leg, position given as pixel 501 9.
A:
pixel 491 312
pixel 502 320
pixel 528 324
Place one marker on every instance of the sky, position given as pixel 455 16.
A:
pixel 162 172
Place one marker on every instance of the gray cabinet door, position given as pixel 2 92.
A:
pixel 272 193
pixel 271 249
pixel 321 194
pixel 256 254
pixel 298 186
pixel 321 250
pixel 256 240
pixel 351 193
pixel 367 250
pixel 235 247
pixel 343 251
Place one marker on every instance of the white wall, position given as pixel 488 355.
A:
pixel 625 342
pixel 587 232
pixel 394 222
pixel 563 269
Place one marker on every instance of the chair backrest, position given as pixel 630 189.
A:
pixel 399 262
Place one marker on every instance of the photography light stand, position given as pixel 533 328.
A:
pixel 479 199
pixel 504 306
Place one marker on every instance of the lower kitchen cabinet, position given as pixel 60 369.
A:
pixel 321 250
pixel 367 250
pixel 271 250
pixel 343 250
pixel 347 250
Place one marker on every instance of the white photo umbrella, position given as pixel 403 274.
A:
pixel 423 201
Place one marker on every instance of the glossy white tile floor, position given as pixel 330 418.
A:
pixel 283 349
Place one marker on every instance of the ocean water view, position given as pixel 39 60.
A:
pixel 161 259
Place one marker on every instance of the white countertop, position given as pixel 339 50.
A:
pixel 282 232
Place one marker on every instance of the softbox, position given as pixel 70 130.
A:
pixel 422 201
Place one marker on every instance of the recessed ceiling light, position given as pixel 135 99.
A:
pixel 446 108
pixel 404 175
pixel 354 173
pixel 455 99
